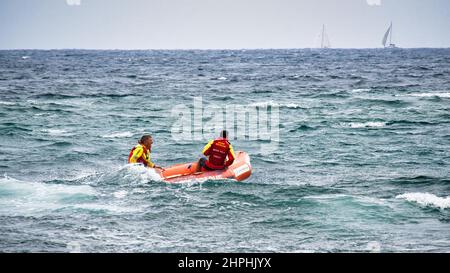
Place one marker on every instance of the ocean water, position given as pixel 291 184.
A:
pixel 362 163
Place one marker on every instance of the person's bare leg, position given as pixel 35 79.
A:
pixel 200 164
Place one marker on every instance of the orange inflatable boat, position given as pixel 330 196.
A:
pixel 239 170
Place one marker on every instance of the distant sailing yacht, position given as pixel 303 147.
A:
pixel 387 35
pixel 324 41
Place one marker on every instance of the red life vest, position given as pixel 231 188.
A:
pixel 218 154
pixel 140 159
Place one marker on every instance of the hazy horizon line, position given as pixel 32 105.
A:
pixel 209 49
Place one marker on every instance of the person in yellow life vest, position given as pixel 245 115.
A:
pixel 220 154
pixel 141 152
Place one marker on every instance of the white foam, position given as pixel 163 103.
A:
pixel 426 199
pixel 427 95
pixel 361 90
pixel 7 103
pixel 120 194
pixel 291 105
pixel 366 124
pixel 44 190
pixel 264 104
pixel 55 132
pixel 24 198
pixel 80 175
pixel 274 104
pixel 34 198
pixel 139 191
pixel 222 78
pixel 140 173
pixel 373 246
pixel 118 135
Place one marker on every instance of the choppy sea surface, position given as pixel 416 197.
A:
pixel 362 163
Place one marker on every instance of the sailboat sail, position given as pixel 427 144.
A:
pixel 324 40
pixel 387 35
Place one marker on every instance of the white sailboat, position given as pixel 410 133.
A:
pixel 324 41
pixel 387 35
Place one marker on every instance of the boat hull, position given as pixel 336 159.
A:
pixel 240 170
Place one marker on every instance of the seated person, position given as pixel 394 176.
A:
pixel 219 152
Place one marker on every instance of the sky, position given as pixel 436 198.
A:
pixel 220 24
